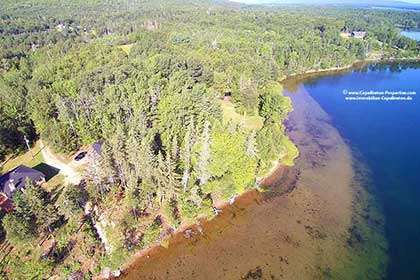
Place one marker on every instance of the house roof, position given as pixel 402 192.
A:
pixel 16 178
pixel 97 147
pixel 359 33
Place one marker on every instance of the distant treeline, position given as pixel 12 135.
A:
pixel 156 81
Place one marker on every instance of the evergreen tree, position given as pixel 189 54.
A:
pixel 251 145
pixel 18 229
pixel 189 142
pixel 173 183
pixel 40 206
pixel 71 201
pixel 204 157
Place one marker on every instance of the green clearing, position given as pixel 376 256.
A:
pixel 126 48
pixel 30 159
pixel 292 153
pixel 231 115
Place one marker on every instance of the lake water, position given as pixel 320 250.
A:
pixel 396 9
pixel 411 34
pixel 386 136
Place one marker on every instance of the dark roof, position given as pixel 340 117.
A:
pixel 17 178
pixel 97 147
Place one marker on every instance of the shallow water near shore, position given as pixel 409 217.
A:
pixel 310 223
pixel 384 136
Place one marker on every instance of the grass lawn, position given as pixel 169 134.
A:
pixel 345 35
pixel 292 153
pixel 248 122
pixel 29 159
pixel 126 48
pixel 35 160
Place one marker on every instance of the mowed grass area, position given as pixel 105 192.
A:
pixel 35 160
pixel 345 35
pixel 126 48
pixel 231 115
pixel 292 153
pixel 29 159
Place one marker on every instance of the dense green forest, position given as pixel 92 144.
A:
pixel 185 96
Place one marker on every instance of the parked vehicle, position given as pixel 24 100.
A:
pixel 80 156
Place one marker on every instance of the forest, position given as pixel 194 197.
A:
pixel 185 96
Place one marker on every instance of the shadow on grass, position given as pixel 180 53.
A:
pixel 48 170
pixel 55 194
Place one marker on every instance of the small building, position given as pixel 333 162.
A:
pixel 60 27
pixel 228 97
pixel 15 180
pixel 97 148
pixel 358 34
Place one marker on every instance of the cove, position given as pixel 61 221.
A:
pixel 384 135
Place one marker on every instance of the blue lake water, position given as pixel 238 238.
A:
pixel 411 34
pixel 396 9
pixel 387 136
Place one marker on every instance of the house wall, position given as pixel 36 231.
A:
pixel 5 203
pixel 41 182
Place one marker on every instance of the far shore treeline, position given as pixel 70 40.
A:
pixel 185 96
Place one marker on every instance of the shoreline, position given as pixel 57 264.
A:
pixel 274 172
pixel 268 181
pixel 271 180
pixel 303 232
pixel 356 64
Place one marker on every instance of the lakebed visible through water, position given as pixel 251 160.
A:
pixel 323 218
pixel 385 134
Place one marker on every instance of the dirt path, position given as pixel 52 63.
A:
pixel 70 174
